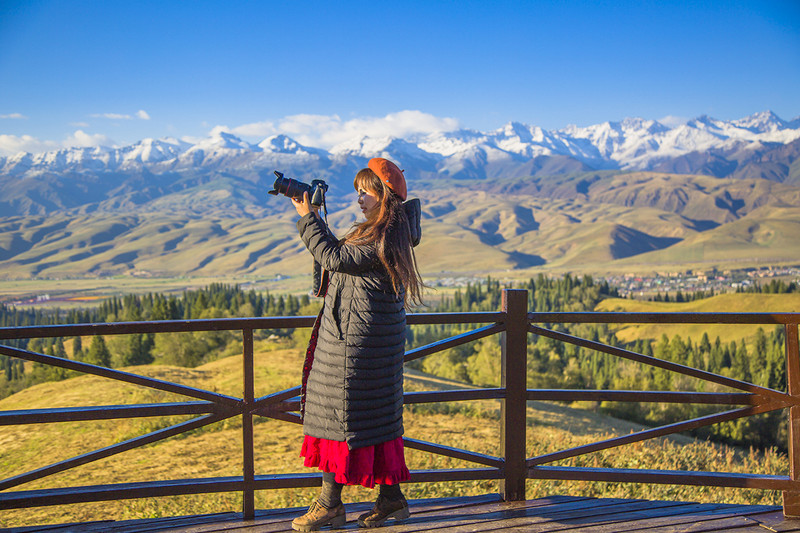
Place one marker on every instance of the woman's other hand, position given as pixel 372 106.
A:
pixel 303 206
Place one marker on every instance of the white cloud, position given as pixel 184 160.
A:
pixel 13 144
pixel 323 131
pixel 671 121
pixel 192 139
pixel 14 116
pixel 326 131
pixel 82 139
pixel 141 114
pixel 112 116
pixel 256 129
pixel 216 130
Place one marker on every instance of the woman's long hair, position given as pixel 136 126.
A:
pixel 390 231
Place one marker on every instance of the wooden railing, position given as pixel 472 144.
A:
pixel 513 322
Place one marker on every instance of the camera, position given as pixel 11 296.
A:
pixel 295 189
pixel 316 193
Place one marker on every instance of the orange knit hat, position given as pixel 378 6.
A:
pixel 390 174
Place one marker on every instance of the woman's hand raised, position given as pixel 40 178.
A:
pixel 303 206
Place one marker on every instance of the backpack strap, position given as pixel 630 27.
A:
pixel 414 213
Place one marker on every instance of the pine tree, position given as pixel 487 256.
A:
pixel 77 349
pixel 98 353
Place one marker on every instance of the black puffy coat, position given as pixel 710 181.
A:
pixel 354 391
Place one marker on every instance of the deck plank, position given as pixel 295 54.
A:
pixel 592 516
pixel 519 514
pixel 611 519
pixel 682 512
pixel 762 522
pixel 678 517
pixel 485 514
pixel 492 516
pixel 728 518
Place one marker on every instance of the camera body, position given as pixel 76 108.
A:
pixel 295 189
pixel 316 194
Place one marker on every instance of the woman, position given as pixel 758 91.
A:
pixel 353 377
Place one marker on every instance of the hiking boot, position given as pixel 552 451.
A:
pixel 318 516
pixel 383 510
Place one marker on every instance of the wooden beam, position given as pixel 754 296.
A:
pixel 514 380
pixel 457 395
pixel 109 412
pixel 276 397
pixel 712 398
pixel 119 375
pixel 248 452
pixel 647 434
pixel 667 477
pixel 480 317
pixel 791 498
pixel 452 342
pixel 666 365
pixel 455 453
pixel 615 317
pixel 108 451
pixel 117 491
pixel 156 326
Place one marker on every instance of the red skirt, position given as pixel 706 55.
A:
pixel 383 463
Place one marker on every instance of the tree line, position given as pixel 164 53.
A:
pixel 774 286
pixel 551 364
pixel 181 348
pixel 555 364
pixel 680 296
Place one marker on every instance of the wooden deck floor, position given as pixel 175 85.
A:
pixel 488 513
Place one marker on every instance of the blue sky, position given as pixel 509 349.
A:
pixel 113 72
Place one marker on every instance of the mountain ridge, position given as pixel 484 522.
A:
pixel 760 146
pixel 513 199
pixel 580 222
pixel 630 144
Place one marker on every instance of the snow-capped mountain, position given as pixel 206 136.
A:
pixel 702 145
pixel 151 151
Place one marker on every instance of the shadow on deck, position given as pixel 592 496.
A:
pixel 489 513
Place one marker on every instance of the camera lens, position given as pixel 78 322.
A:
pixel 289 187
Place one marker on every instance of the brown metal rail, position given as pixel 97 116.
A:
pixel 511 469
pixel 214 407
pixel 757 399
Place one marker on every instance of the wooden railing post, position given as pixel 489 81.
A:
pixel 514 381
pixel 791 499
pixel 248 461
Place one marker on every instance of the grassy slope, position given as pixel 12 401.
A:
pixel 763 237
pixel 626 221
pixel 215 451
pixel 172 244
pixel 722 303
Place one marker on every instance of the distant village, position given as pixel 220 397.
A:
pixel 695 281
pixel 687 282
pixel 686 285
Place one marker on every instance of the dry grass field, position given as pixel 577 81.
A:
pixel 721 303
pixel 216 450
pixel 596 222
